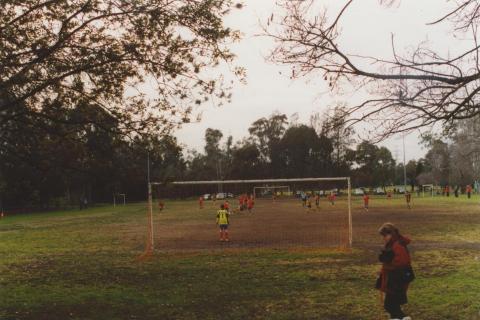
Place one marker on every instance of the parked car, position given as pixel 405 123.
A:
pixel 221 195
pixel 230 195
pixel 207 196
pixel 379 191
pixel 401 189
pixel 358 192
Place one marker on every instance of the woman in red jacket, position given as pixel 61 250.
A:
pixel 396 273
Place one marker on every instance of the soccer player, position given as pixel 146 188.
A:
pixel 389 195
pixel 250 204
pixel 366 199
pixel 304 199
pixel 240 202
pixel 161 205
pixel 309 202
pixel 408 198
pixel 223 222
pixel 200 202
pixel 447 191
pixel 469 191
pixel 332 197
pixel 226 206
pixel 317 201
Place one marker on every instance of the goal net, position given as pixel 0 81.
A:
pixel 313 212
pixel 271 192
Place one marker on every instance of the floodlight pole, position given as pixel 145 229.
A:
pixel 350 228
pixel 150 208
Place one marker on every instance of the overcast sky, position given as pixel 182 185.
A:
pixel 367 30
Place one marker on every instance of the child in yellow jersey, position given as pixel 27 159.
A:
pixel 222 222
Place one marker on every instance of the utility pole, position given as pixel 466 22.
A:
pixel 404 166
pixel 149 249
pixel 148 167
pixel 401 95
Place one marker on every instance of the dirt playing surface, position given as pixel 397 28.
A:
pixel 286 223
pixel 283 223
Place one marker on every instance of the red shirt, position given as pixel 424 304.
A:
pixel 366 198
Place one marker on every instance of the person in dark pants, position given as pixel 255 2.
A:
pixel 396 272
pixel 468 189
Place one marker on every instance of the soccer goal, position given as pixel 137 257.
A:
pixel 428 189
pixel 271 191
pixel 185 215
pixel 121 197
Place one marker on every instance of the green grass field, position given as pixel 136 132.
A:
pixel 82 265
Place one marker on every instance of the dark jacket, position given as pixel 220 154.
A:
pixel 396 262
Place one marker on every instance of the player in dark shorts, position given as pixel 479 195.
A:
pixel 223 222
pixel 408 198
pixel 304 199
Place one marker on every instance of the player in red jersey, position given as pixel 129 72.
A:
pixel 366 199
pixel 469 191
pixel 226 205
pixel 250 203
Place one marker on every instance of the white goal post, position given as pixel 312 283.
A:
pixel 115 198
pixel 424 186
pixel 273 188
pixel 150 228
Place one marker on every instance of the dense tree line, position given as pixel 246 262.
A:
pixel 50 165
pixel 53 165
pixel 86 161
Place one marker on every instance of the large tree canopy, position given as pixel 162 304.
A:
pixel 58 55
pixel 419 89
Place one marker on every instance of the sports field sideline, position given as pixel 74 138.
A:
pixel 82 264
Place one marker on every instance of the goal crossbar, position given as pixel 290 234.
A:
pixel 252 181
pixel 150 237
